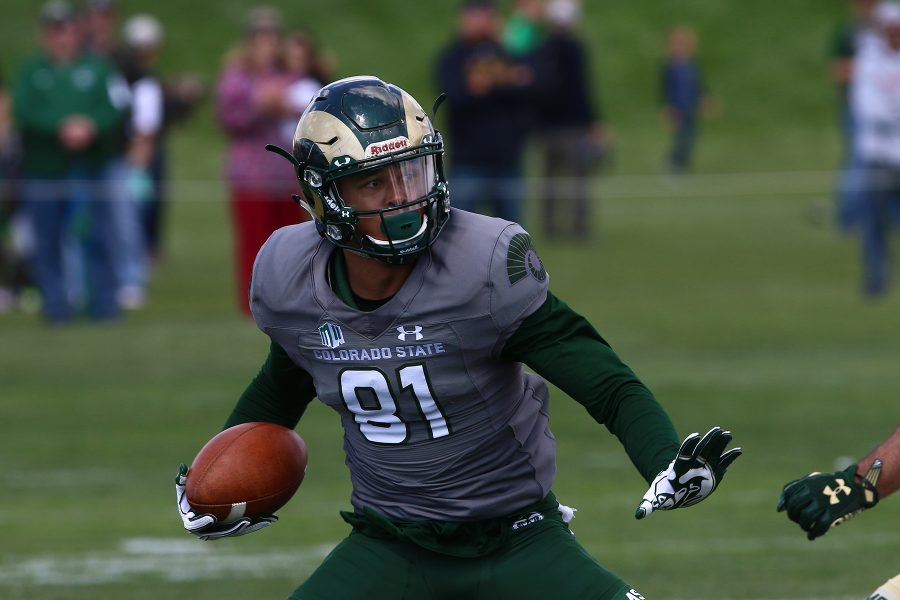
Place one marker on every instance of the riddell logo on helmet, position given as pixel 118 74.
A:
pixel 392 145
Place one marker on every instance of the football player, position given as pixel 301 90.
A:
pixel 821 501
pixel 413 321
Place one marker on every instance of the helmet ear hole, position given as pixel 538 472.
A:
pixel 339 232
pixel 313 178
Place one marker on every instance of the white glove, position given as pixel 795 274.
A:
pixel 206 526
pixel 692 475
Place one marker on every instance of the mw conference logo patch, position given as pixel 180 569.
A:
pixel 331 335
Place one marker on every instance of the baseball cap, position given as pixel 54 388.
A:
pixel 142 31
pixel 887 13
pixel 563 12
pixel 56 12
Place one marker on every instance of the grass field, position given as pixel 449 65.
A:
pixel 729 293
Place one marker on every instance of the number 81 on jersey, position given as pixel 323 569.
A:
pixel 382 424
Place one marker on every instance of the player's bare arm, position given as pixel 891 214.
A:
pixel 889 453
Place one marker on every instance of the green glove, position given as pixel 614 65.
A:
pixel 821 501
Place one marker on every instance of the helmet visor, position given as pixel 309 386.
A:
pixel 389 186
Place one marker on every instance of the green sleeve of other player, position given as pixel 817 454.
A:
pixel 279 393
pixel 563 348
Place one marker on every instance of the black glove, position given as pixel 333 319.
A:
pixel 820 501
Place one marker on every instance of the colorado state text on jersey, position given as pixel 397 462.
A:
pixel 385 353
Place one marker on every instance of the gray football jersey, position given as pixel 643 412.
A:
pixel 436 424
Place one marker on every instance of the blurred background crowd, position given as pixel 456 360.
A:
pixel 84 161
pixel 84 124
pixel 866 67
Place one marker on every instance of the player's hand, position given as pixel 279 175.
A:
pixel 207 527
pixel 692 475
pixel 820 501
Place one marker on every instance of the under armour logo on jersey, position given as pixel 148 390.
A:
pixel 331 335
pixel 416 331
pixel 833 493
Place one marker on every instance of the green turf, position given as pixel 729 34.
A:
pixel 729 293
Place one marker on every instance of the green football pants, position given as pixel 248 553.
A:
pixel 542 560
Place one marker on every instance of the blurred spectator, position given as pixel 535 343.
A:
pixel 875 101
pixel 251 106
pixel 8 259
pixel 142 38
pixel 182 93
pixel 572 136
pixel 5 119
pixel 307 75
pixel 683 92
pixel 16 236
pixel 845 45
pixel 100 22
pixel 490 101
pixel 64 110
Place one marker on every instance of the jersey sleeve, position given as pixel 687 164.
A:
pixel 565 349
pixel 518 280
pixel 279 393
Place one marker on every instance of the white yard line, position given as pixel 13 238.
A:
pixel 171 559
pixel 167 559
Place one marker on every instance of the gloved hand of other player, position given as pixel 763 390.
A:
pixel 820 501
pixel 206 526
pixel 692 475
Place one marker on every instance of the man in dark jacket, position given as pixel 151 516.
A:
pixel 572 135
pixel 490 99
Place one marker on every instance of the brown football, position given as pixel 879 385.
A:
pixel 251 470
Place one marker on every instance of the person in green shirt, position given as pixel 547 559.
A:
pixel 67 108
pixel 413 320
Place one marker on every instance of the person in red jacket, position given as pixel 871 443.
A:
pixel 251 106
